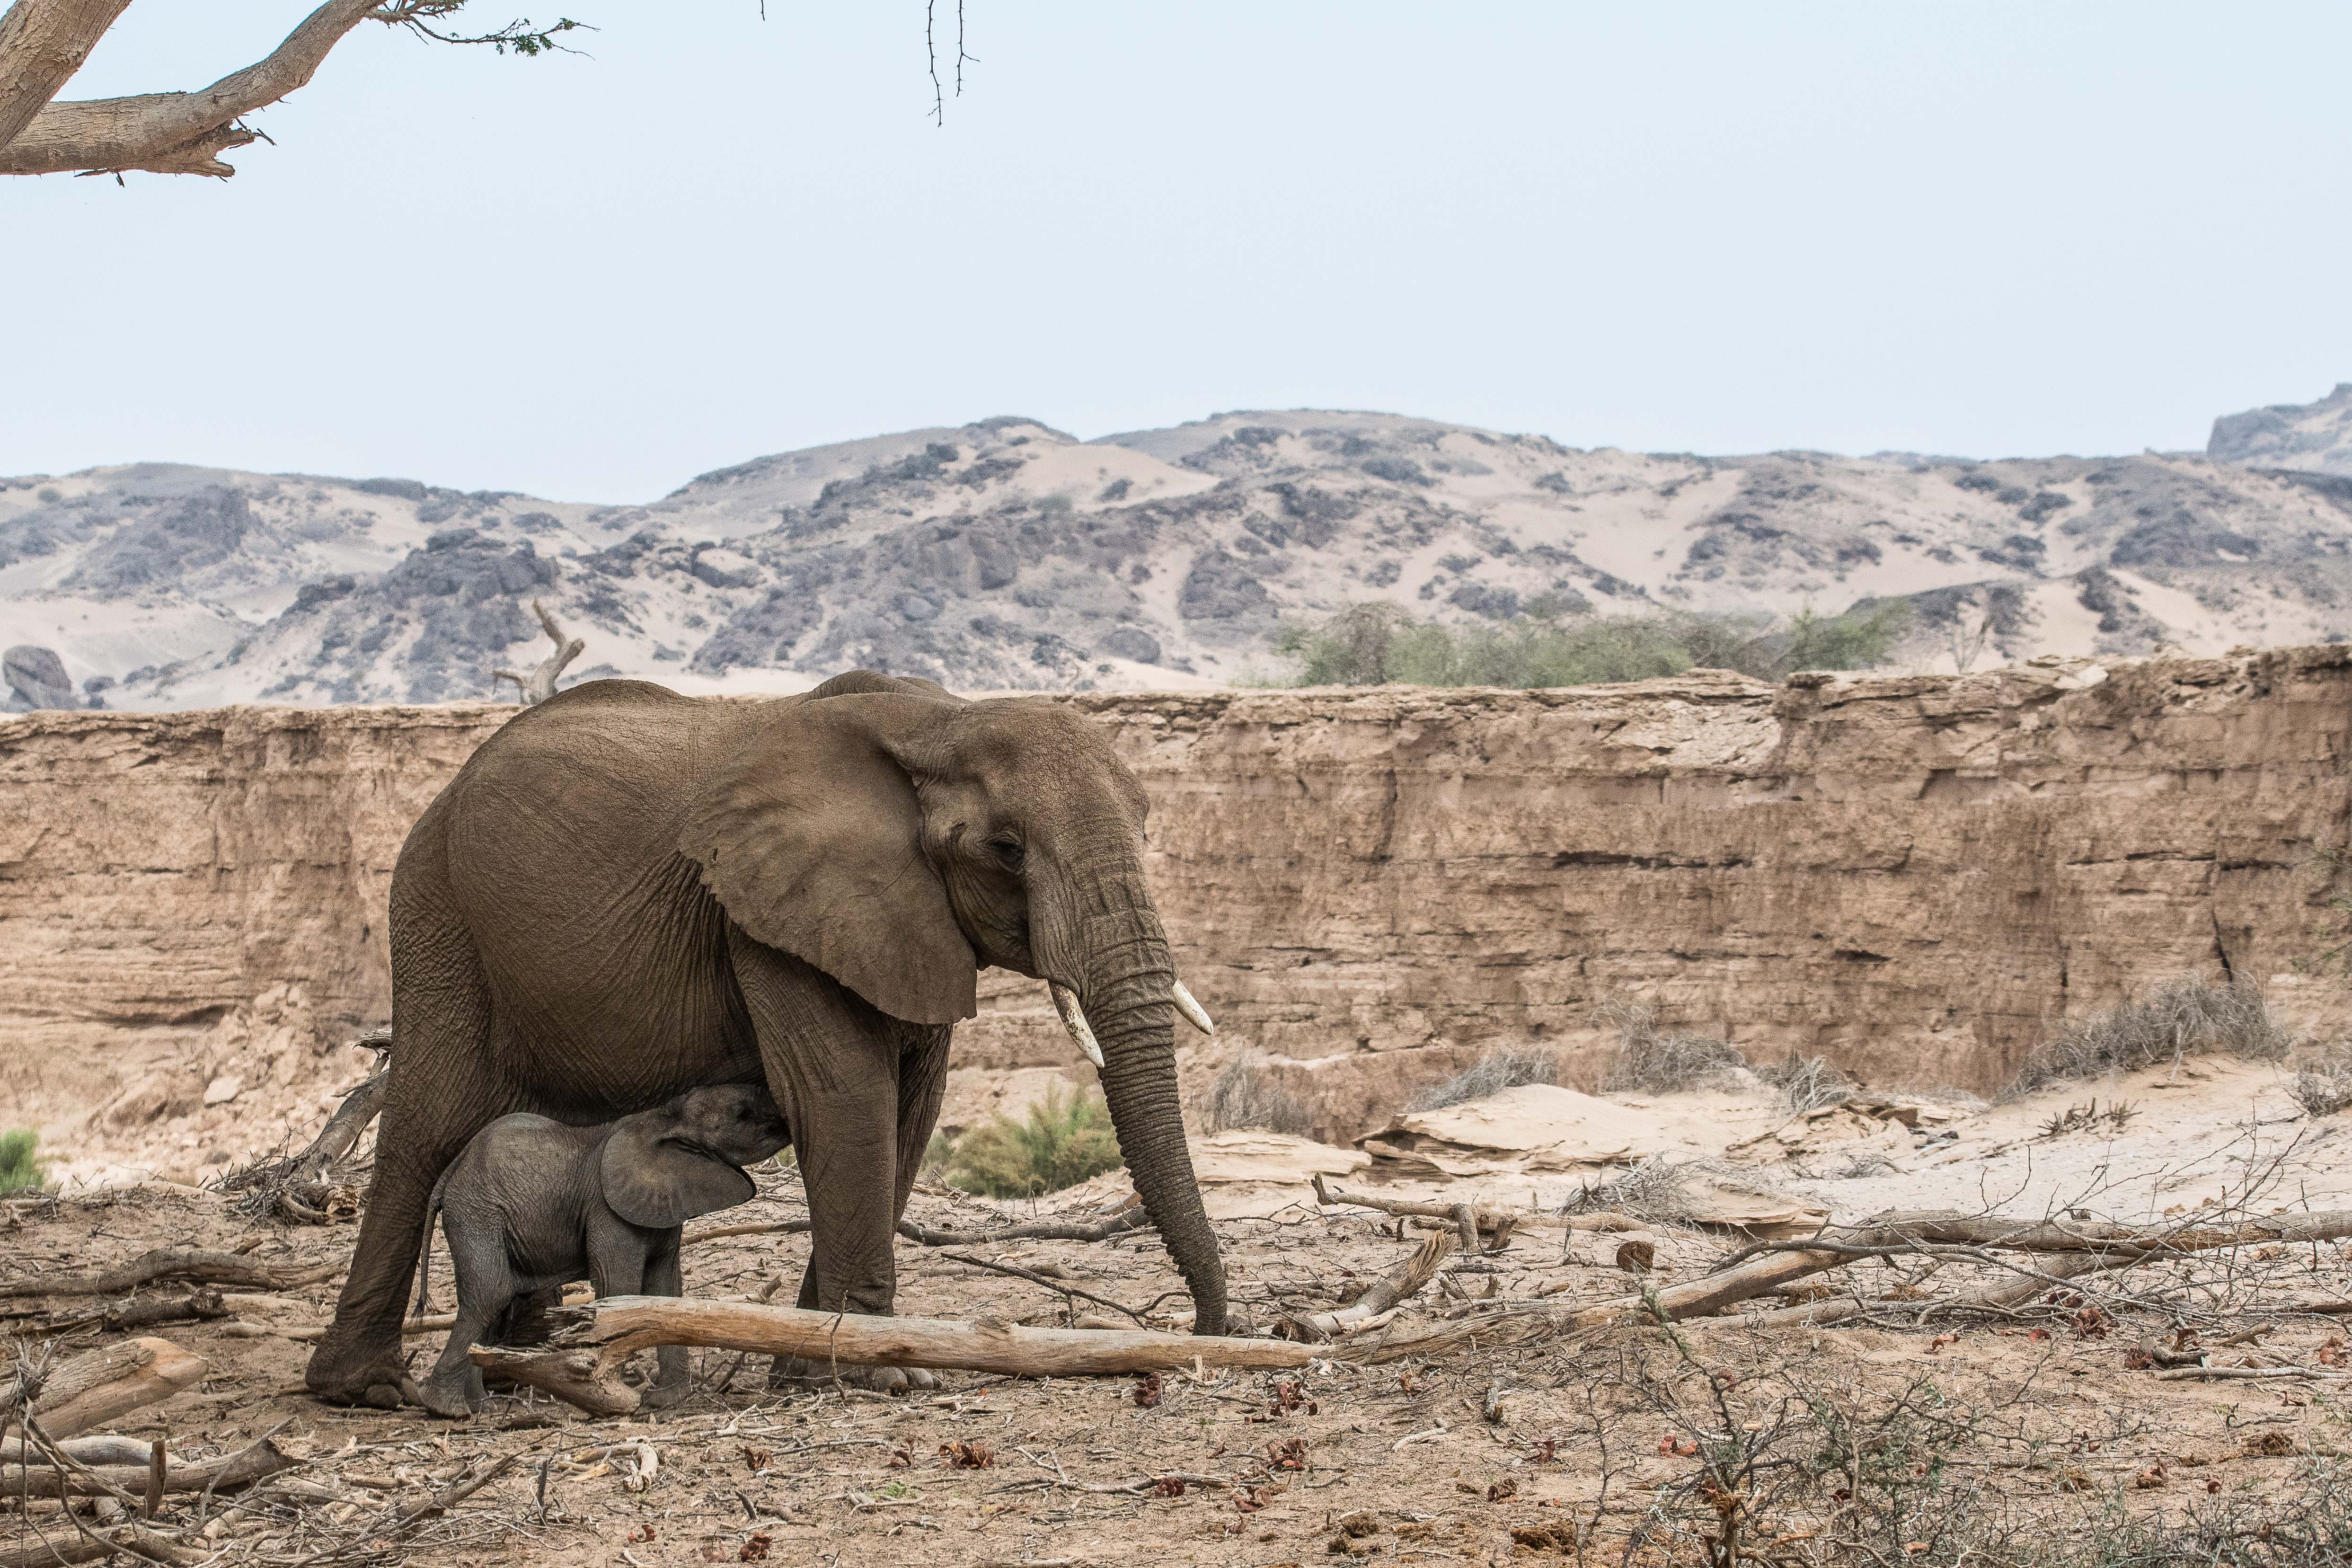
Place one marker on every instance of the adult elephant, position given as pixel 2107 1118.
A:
pixel 626 894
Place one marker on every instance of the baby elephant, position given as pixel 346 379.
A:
pixel 530 1203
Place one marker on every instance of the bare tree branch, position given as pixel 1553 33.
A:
pixel 540 685
pixel 42 44
pixel 173 132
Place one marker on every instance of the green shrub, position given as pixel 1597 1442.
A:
pixel 19 1172
pixel 1378 643
pixel 1061 1142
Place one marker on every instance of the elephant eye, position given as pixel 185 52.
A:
pixel 1007 851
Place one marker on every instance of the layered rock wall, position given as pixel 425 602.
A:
pixel 1916 877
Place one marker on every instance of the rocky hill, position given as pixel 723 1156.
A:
pixel 1007 554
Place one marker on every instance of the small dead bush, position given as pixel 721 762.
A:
pixel 1651 1060
pixel 2324 1088
pixel 1245 1095
pixel 2184 1018
pixel 1496 1071
pixel 1807 1083
pixel 1657 1189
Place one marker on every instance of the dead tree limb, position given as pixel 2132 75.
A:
pixel 582 1366
pixel 540 686
pixel 96 1545
pixel 2116 1244
pixel 1527 1323
pixel 1399 1284
pixel 1063 1286
pixel 135 1312
pixel 94 1388
pixel 172 132
pixel 298 1187
pixel 1489 1218
pixel 206 1267
pixel 42 44
pixel 1039 1230
pixel 256 1462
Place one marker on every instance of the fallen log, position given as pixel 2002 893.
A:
pixel 98 1451
pixel 94 1388
pixel 201 1268
pixel 133 1312
pixel 593 1340
pixel 1526 1322
pixel 1401 1283
pixel 1488 1217
pixel 2245 1373
pixel 256 1462
pixel 2114 1244
pixel 1035 1230
pixel 90 1545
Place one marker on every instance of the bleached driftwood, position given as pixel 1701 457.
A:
pixel 255 1462
pixel 1488 1217
pixel 298 1187
pixel 582 1366
pixel 101 1385
pixel 540 684
pixel 130 1542
pixel 169 1263
pixel 1401 1283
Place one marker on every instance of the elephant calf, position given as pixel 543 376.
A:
pixel 530 1203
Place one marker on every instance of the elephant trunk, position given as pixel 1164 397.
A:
pixel 1137 1029
pixel 1124 977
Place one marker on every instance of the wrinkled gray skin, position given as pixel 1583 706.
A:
pixel 626 893
pixel 531 1205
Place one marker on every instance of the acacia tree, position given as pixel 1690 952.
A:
pixel 44 42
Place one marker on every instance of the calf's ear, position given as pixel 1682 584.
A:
pixel 652 1180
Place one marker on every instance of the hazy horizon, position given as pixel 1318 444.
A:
pixel 2008 231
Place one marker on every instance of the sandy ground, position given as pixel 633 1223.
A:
pixel 2047 1417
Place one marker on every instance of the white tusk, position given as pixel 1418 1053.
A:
pixel 1194 1013
pixel 1074 1019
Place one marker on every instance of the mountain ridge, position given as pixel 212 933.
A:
pixel 1006 554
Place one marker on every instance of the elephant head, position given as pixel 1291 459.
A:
pixel 901 839
pixel 667 1165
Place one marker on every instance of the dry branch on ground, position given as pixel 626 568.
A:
pixel 582 1364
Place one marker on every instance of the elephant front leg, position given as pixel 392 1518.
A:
pixel 832 1062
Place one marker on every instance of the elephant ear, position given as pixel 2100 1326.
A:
pixel 811 838
pixel 653 1180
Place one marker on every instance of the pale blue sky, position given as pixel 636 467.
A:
pixel 1974 228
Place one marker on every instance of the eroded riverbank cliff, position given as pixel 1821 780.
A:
pixel 1916 877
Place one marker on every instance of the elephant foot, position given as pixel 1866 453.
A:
pixel 448 1397
pixel 798 1371
pixel 359 1376
pixel 662 1395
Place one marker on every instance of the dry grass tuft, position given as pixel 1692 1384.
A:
pixel 2184 1018
pixel 1494 1071
pixel 1245 1095
pixel 2324 1088
pixel 1651 1060
pixel 1807 1083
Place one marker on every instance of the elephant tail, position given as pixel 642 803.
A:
pixel 425 1248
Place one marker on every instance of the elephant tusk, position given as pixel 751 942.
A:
pixel 1074 1019
pixel 1194 1013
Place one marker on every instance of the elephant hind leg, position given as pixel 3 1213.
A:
pixel 442 1091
